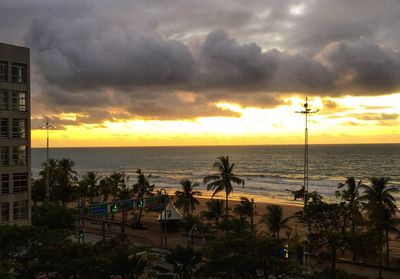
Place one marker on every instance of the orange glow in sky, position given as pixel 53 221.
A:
pixel 340 120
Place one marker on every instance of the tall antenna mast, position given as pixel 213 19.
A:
pixel 306 112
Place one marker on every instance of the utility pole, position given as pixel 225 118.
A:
pixel 306 112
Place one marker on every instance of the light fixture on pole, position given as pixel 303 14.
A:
pixel 47 126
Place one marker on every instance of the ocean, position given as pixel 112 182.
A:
pixel 270 171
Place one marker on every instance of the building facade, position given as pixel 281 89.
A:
pixel 15 145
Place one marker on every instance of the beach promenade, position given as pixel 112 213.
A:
pixel 151 236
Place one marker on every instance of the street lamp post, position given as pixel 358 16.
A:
pixel 47 127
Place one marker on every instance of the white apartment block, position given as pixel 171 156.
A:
pixel 15 143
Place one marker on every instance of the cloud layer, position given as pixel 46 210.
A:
pixel 152 59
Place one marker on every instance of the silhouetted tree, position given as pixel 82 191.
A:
pixel 215 210
pixel 66 180
pixel 381 207
pixel 105 188
pixel 53 216
pixel 350 194
pixel 186 198
pixel 246 255
pixel 142 188
pixel 191 220
pixel 126 263
pixel 223 180
pixel 38 191
pixel 184 261
pixel 245 208
pixel 328 222
pixel 274 220
pixel 116 179
pixel 124 193
pixel 49 175
pixel 92 180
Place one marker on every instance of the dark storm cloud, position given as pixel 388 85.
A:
pixel 362 66
pixel 224 62
pixel 135 58
pixel 143 73
pixel 98 56
pixel 298 73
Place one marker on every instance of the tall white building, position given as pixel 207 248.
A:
pixel 15 143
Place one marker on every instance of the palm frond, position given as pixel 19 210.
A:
pixel 217 190
pixel 211 178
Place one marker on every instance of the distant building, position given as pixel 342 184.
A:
pixel 15 144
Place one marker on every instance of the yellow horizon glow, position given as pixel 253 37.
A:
pixel 255 126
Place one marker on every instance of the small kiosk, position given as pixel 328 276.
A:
pixel 170 217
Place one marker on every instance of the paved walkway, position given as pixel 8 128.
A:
pixel 152 237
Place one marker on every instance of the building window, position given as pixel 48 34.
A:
pixel 3 71
pixel 4 155
pixel 20 182
pixel 3 127
pixel 19 155
pixel 19 128
pixel 19 100
pixel 3 99
pixel 5 212
pixel 5 183
pixel 19 210
pixel 18 72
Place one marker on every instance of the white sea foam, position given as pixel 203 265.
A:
pixel 270 171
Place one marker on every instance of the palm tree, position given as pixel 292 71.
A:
pixel 112 184
pixel 246 209
pixel 105 188
pixel 223 180
pixel 65 166
pixel 141 189
pixel 116 179
pixel 380 206
pixel 91 179
pixel 215 210
pixel 314 197
pixel 66 178
pixel 390 224
pixel 191 220
pixel 184 260
pixel 274 220
pixel 126 263
pixel 350 194
pixel 50 170
pixel 83 191
pixel 124 193
pixel 186 198
pixel 38 192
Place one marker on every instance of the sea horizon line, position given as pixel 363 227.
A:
pixel 216 145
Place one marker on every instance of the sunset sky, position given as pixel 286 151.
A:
pixel 143 73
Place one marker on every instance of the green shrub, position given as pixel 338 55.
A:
pixel 53 216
